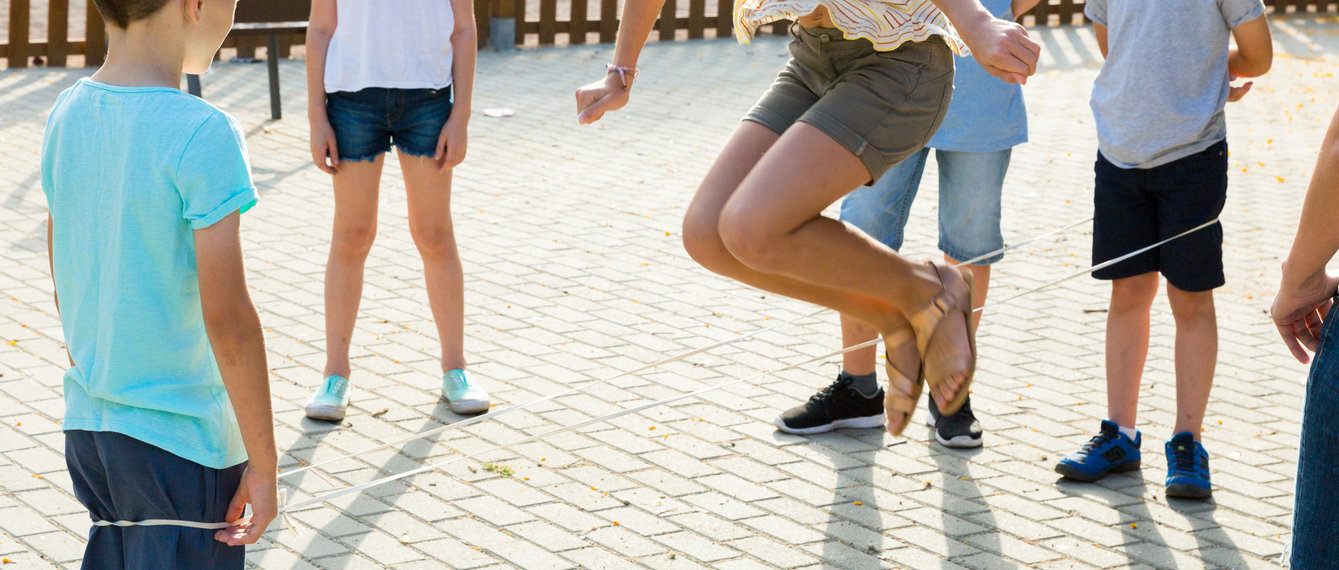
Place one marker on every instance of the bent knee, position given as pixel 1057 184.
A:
pixel 746 241
pixel 702 241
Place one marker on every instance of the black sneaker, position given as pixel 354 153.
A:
pixel 837 406
pixel 959 430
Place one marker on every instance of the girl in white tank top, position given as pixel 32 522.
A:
pixel 384 73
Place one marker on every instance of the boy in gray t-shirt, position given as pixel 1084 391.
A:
pixel 1162 170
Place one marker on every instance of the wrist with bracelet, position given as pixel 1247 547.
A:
pixel 626 73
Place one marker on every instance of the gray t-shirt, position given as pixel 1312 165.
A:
pixel 1162 89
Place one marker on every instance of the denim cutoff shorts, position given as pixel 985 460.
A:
pixel 368 121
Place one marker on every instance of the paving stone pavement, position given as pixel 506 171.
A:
pixel 571 242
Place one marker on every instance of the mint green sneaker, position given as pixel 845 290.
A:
pixel 462 393
pixel 330 400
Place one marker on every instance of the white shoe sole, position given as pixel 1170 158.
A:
pixel 325 412
pixel 958 442
pixel 467 406
pixel 853 423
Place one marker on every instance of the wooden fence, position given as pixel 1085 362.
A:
pixel 537 23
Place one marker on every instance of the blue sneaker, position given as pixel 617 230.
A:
pixel 1187 468
pixel 462 393
pixel 330 400
pixel 1107 452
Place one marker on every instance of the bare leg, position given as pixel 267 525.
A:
pixel 1127 344
pixel 355 227
pixel 1196 355
pixel 702 238
pixel 434 235
pixel 860 362
pixel 982 275
pixel 771 224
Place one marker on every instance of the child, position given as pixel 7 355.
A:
pixel 1161 170
pixel 985 120
pixel 839 115
pixel 378 74
pixel 1304 311
pixel 167 407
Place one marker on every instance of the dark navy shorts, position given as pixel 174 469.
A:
pixel 118 477
pixel 368 121
pixel 1138 207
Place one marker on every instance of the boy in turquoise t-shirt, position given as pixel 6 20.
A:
pixel 167 399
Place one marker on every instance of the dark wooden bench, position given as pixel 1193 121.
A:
pixel 270 19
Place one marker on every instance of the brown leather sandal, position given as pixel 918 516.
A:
pixel 951 299
pixel 901 397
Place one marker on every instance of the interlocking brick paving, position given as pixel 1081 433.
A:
pixel 575 272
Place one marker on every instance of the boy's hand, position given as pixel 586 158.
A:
pixel 600 97
pixel 1299 311
pixel 1002 47
pixel 323 146
pixel 259 489
pixel 451 144
pixel 1234 92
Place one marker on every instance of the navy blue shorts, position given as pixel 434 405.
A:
pixel 368 121
pixel 118 477
pixel 1138 207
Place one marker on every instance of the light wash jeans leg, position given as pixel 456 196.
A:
pixel 881 210
pixel 970 186
pixel 1316 511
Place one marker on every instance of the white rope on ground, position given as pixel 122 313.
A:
pixel 681 356
pixel 899 338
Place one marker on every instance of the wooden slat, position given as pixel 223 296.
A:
pixel 697 18
pixel 609 20
pixel 95 37
pixel 576 28
pixel 481 17
pixel 18 33
pixel 58 33
pixel 725 17
pixel 667 22
pixel 76 47
pixel 518 8
pixel 548 21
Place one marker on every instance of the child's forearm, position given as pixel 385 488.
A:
pixel 236 337
pixel 239 349
pixel 1254 54
pixel 1317 235
pixel 464 57
pixel 963 13
pixel 639 18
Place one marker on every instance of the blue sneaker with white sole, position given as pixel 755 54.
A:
pixel 462 393
pixel 330 401
pixel 1187 468
pixel 1110 451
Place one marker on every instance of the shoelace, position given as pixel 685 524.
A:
pixel 1183 459
pixel 1099 440
pixel 830 389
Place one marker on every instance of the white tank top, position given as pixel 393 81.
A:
pixel 396 44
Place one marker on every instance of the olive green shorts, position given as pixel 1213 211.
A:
pixel 883 106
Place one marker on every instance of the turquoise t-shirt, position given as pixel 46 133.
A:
pixel 129 173
pixel 986 113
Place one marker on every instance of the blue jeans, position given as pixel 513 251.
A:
pixel 970 184
pixel 1316 512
